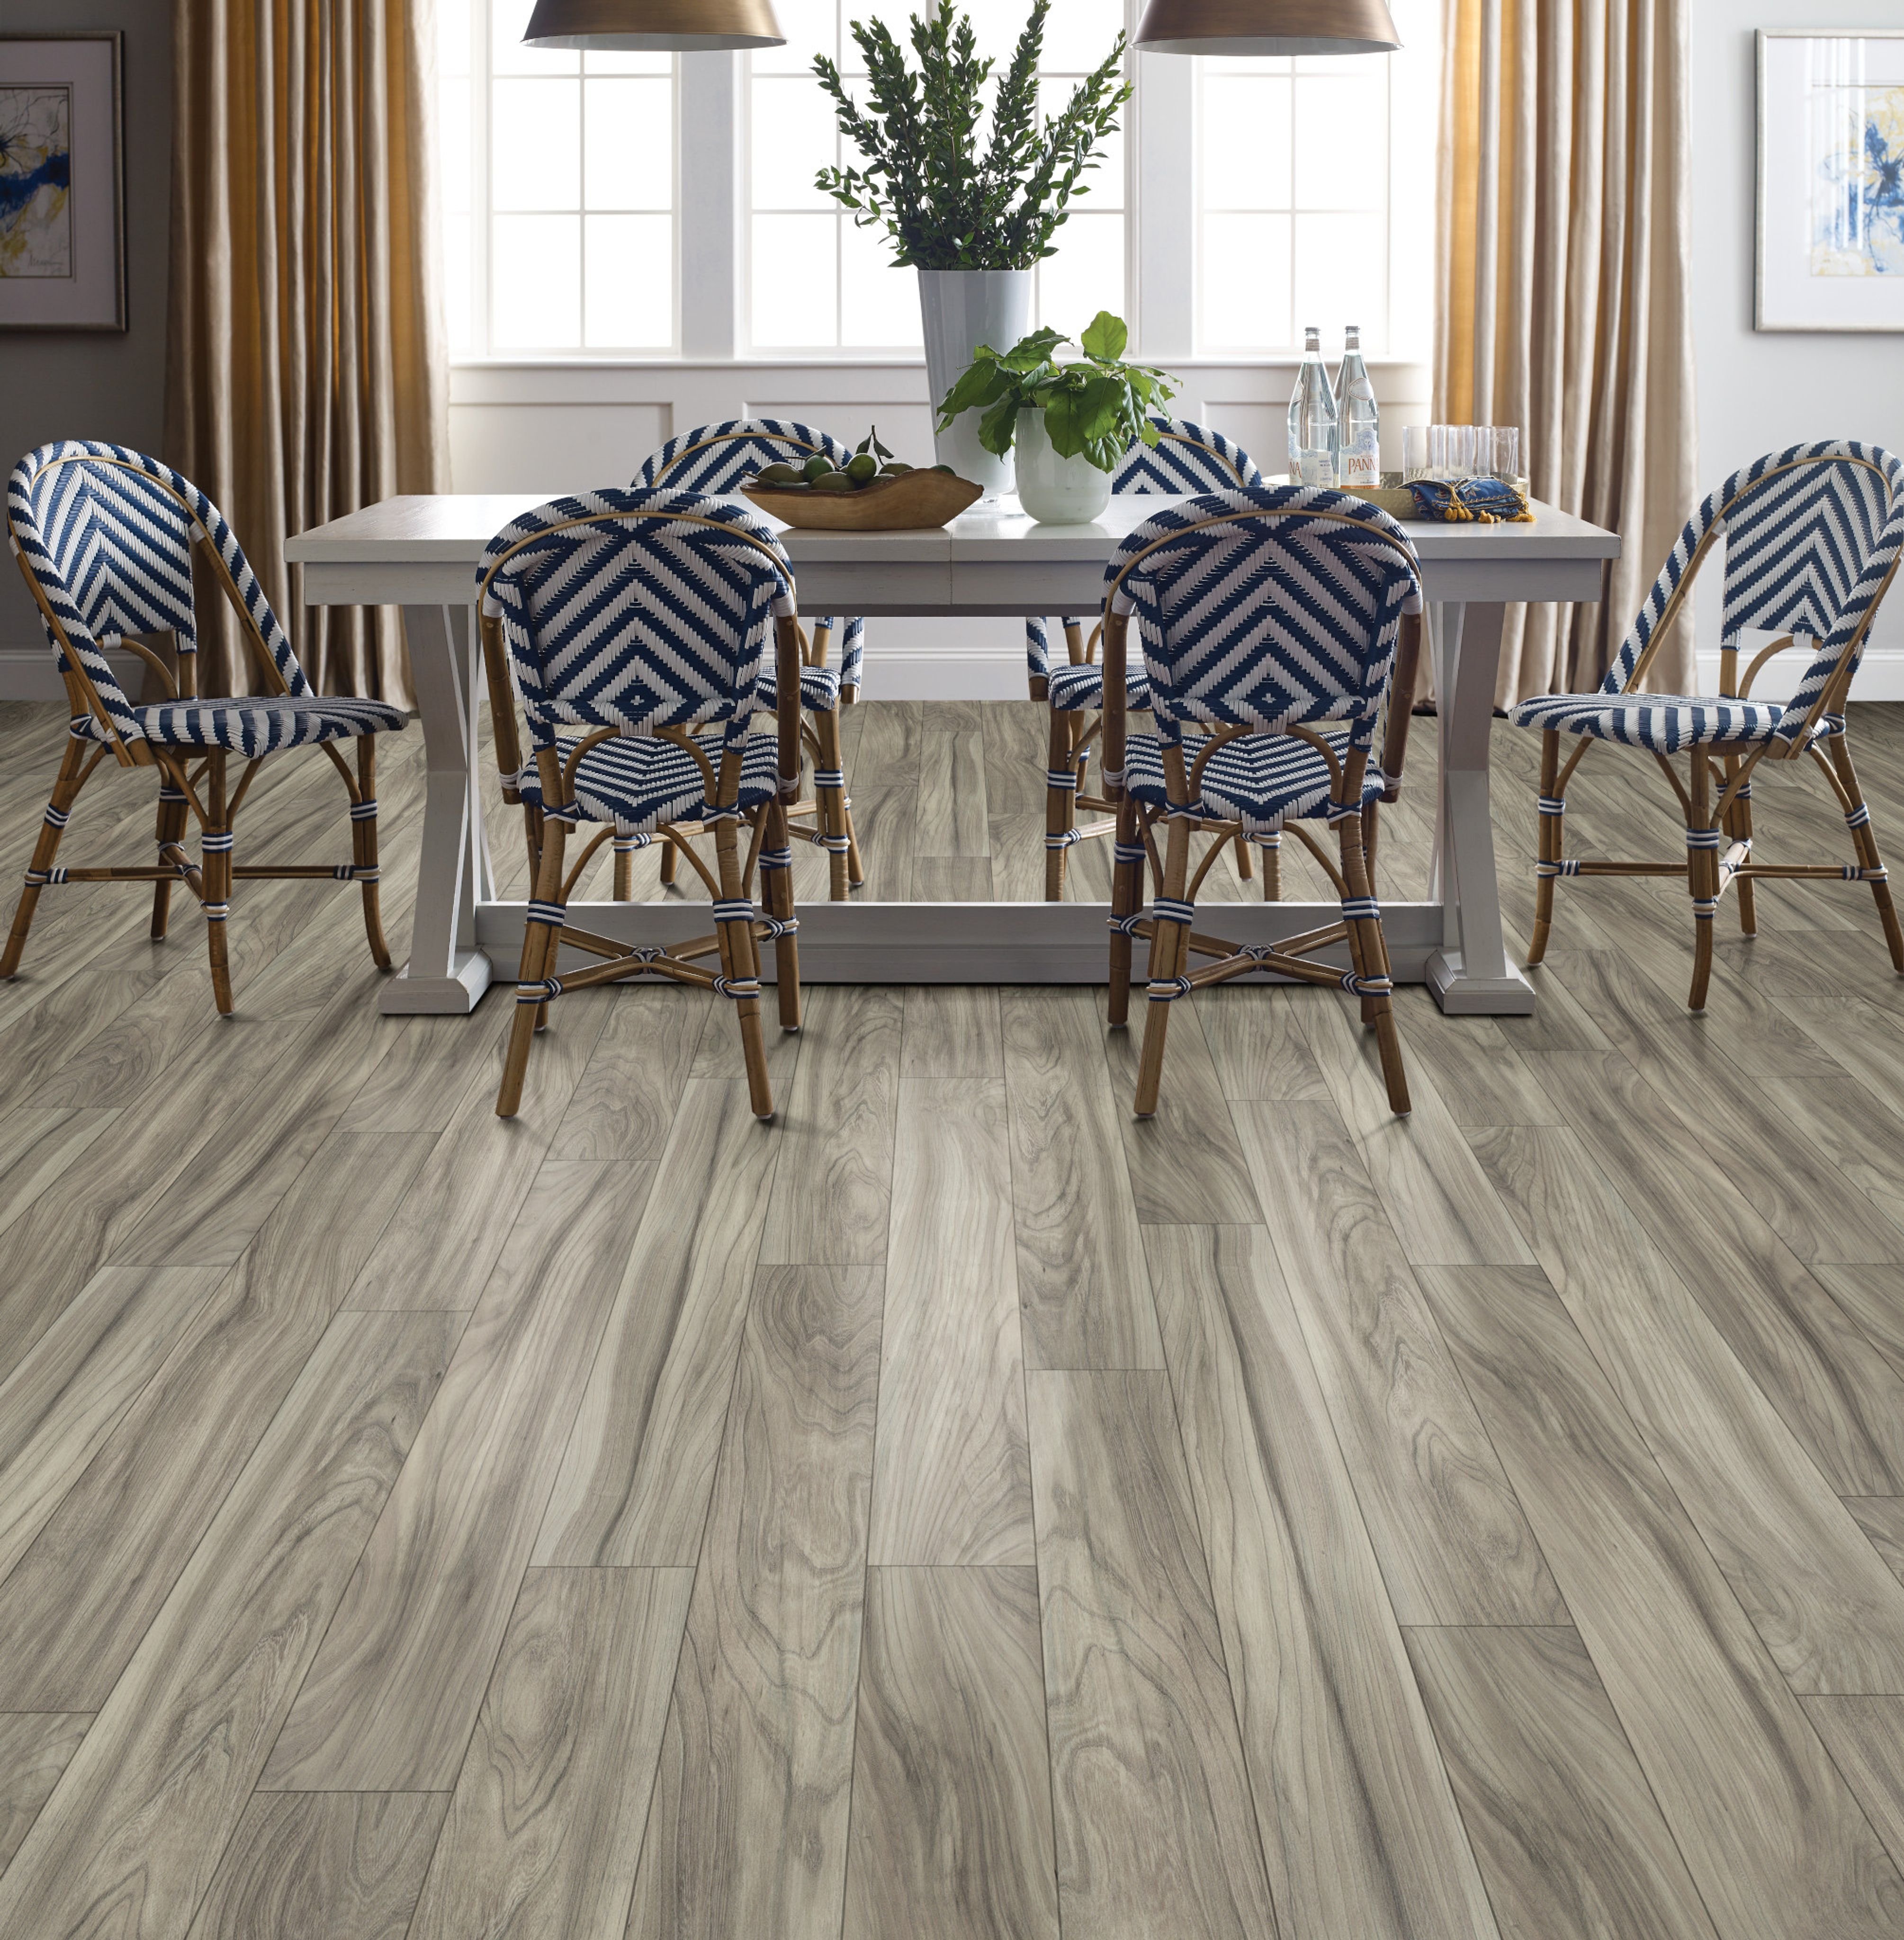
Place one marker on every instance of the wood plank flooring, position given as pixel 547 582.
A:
pixel 955 1510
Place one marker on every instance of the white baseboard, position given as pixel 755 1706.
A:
pixel 924 675
pixel 30 673
pixel 1879 675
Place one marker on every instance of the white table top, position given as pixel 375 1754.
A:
pixel 452 528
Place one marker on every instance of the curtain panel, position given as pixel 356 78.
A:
pixel 1562 264
pixel 306 366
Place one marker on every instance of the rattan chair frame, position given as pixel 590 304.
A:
pixel 734 942
pixel 1171 945
pixel 186 790
pixel 1716 796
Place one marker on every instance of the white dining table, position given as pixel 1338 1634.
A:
pixel 420 553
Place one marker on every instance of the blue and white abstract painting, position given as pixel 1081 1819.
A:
pixel 36 223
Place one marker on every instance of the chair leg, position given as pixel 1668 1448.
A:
pixel 1127 898
pixel 1702 879
pixel 1738 828
pixel 1272 848
pixel 540 941
pixel 66 785
pixel 830 796
pixel 1864 840
pixel 1169 954
pixel 215 842
pixel 1245 873
pixel 1369 948
pixel 623 891
pixel 671 861
pixel 1552 838
pixel 740 968
pixel 776 897
pixel 169 829
pixel 363 846
pixel 1060 803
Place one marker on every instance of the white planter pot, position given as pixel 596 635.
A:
pixel 962 309
pixel 1056 491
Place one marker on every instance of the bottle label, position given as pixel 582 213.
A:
pixel 1315 467
pixel 1362 467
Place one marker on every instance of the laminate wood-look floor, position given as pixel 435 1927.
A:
pixel 955 1510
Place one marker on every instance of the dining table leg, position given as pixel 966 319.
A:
pixel 446 974
pixel 1470 975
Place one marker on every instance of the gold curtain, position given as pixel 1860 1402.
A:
pixel 1563 260
pixel 307 370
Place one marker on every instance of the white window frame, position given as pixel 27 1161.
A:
pixel 712 215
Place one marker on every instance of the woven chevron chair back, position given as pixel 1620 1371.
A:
pixel 1811 534
pixel 1268 609
pixel 716 457
pixel 635 609
pixel 107 533
pixel 1186 457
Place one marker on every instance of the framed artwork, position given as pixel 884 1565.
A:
pixel 62 225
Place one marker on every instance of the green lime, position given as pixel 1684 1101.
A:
pixel 817 467
pixel 947 469
pixel 862 469
pixel 833 481
pixel 779 474
pixel 892 468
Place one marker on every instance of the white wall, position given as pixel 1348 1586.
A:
pixel 94 384
pixel 1761 390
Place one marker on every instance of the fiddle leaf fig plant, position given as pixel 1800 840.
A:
pixel 945 205
pixel 1096 408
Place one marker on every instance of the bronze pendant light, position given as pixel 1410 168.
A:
pixel 654 26
pixel 1266 27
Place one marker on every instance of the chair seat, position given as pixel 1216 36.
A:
pixel 638 783
pixel 1662 723
pixel 255 724
pixel 820 690
pixel 1261 780
pixel 1073 690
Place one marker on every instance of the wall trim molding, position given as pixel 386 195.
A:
pixel 28 673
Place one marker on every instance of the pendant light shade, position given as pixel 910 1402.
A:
pixel 1268 27
pixel 654 26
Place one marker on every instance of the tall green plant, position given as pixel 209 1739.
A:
pixel 945 206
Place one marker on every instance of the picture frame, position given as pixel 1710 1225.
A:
pixel 1830 230
pixel 62 191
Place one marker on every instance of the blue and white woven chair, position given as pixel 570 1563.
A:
pixel 1269 620
pixel 1186 458
pixel 1811 538
pixel 635 624
pixel 105 538
pixel 716 458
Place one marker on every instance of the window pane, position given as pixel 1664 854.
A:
pixel 792 138
pixel 1342 276
pixel 619 63
pixel 795 291
pixel 1246 134
pixel 452 143
pixel 1086 275
pixel 1078 33
pixel 459 282
pixel 898 15
pixel 628 136
pixel 879 303
pixel 810 27
pixel 507 55
pixel 630 275
pixel 1245 281
pixel 1105 182
pixel 535 145
pixel 535 282
pixel 453 38
pixel 1342 143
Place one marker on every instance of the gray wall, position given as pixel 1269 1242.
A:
pixel 98 384
pixel 1759 391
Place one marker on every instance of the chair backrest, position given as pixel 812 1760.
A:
pixel 716 457
pixel 1186 457
pixel 1268 609
pixel 106 534
pixel 635 609
pixel 1811 534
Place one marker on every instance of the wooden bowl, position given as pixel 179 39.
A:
pixel 912 500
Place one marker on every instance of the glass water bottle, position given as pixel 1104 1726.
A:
pixel 1312 440
pixel 1358 422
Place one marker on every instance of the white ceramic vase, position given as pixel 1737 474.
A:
pixel 962 309
pixel 1056 491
